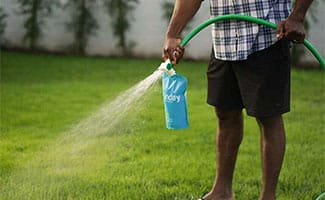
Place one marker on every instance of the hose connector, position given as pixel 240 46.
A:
pixel 167 67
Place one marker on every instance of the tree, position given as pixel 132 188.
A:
pixel 121 13
pixel 83 24
pixel 35 13
pixel 168 8
pixel 2 22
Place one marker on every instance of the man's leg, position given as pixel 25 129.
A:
pixel 272 153
pixel 229 137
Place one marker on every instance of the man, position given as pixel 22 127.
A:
pixel 249 69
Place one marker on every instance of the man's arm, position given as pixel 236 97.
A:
pixel 184 10
pixel 293 28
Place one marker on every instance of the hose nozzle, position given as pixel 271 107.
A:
pixel 167 67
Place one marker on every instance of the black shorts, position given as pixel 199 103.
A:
pixel 261 84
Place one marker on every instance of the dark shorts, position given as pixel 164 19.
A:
pixel 261 84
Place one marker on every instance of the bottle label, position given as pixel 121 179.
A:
pixel 174 96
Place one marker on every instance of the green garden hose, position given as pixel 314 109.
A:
pixel 321 196
pixel 250 19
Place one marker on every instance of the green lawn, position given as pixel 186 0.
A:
pixel 44 96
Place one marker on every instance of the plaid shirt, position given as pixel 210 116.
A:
pixel 235 40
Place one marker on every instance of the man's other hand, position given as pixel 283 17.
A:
pixel 291 29
pixel 173 50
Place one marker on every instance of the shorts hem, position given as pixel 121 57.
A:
pixel 223 107
pixel 270 114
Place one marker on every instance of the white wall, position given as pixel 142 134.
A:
pixel 316 33
pixel 147 31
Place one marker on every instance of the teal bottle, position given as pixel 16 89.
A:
pixel 174 96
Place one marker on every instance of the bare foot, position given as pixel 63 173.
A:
pixel 215 196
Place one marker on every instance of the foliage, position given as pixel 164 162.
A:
pixel 35 12
pixel 168 8
pixel 3 24
pixel 83 24
pixel 121 13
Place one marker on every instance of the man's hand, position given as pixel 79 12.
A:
pixel 172 50
pixel 291 29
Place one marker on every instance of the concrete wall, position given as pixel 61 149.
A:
pixel 147 31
